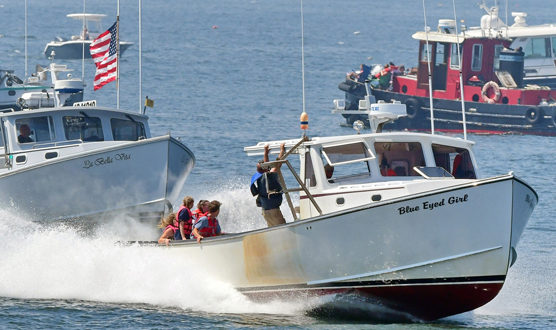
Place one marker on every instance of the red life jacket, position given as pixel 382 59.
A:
pixel 198 214
pixel 187 225
pixel 211 229
pixel 174 229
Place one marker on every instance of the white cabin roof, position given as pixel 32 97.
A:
pixel 88 17
pixel 258 149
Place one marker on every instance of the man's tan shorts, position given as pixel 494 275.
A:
pixel 273 217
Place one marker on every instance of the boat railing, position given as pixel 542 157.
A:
pixel 57 144
pixel 285 189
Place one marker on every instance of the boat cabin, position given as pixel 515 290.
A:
pixel 485 60
pixel 34 136
pixel 349 171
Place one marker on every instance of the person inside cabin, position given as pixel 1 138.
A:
pixel 463 167
pixel 24 132
pixel 85 34
pixel 328 171
pixel 201 211
pixel 169 229
pixel 184 218
pixel 266 186
pixel 385 168
pixel 208 225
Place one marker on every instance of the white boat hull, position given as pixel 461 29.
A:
pixel 73 49
pixel 429 263
pixel 140 177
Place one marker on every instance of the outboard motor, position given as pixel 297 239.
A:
pixel 512 61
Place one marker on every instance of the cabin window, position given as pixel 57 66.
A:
pixel 347 161
pixel 425 52
pixel 454 59
pixel 497 50
pixel 82 128
pixel 310 179
pixel 553 46
pixel 35 129
pixel 477 57
pixel 399 158
pixel 537 48
pixel 127 130
pixel 456 161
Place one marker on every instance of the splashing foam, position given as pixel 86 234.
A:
pixel 60 262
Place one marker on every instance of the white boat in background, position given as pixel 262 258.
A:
pixel 72 48
pixel 36 91
pixel 538 42
pixel 404 221
pixel 88 162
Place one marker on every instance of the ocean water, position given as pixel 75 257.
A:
pixel 224 75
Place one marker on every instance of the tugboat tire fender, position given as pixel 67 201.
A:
pixel 412 107
pixel 495 90
pixel 534 115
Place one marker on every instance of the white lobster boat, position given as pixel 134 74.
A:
pixel 88 162
pixel 404 222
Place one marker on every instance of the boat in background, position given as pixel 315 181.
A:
pixel 62 90
pixel 497 100
pixel 403 221
pixel 538 43
pixel 77 46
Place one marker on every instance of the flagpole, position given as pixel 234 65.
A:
pixel 140 73
pixel 118 57
pixel 26 39
pixel 83 48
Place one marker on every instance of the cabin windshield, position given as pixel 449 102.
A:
pixel 346 161
pixel 83 128
pixel 456 161
pixel 537 48
pixel 399 158
pixel 127 130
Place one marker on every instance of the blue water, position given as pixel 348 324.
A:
pixel 218 90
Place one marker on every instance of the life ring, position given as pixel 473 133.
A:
pixel 412 108
pixel 495 90
pixel 534 115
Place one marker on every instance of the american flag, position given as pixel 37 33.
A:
pixel 103 52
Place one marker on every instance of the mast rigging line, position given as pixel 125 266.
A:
pixel 429 67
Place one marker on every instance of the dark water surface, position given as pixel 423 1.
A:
pixel 224 75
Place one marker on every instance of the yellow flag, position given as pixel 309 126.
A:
pixel 149 103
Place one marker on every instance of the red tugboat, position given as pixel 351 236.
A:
pixel 496 100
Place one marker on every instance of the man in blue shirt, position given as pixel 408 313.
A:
pixel 269 199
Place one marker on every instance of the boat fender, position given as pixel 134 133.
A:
pixel 534 115
pixel 495 90
pixel 412 108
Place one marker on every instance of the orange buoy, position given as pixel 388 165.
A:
pixel 304 121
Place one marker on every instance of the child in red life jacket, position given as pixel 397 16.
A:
pixel 208 226
pixel 169 229
pixel 201 211
pixel 184 219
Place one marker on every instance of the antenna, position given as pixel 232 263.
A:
pixel 304 119
pixel 140 72
pixel 26 39
pixel 83 44
pixel 460 76
pixel 429 67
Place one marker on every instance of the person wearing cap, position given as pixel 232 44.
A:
pixel 208 225
pixel 271 199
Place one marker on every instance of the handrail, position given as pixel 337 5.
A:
pixel 285 190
